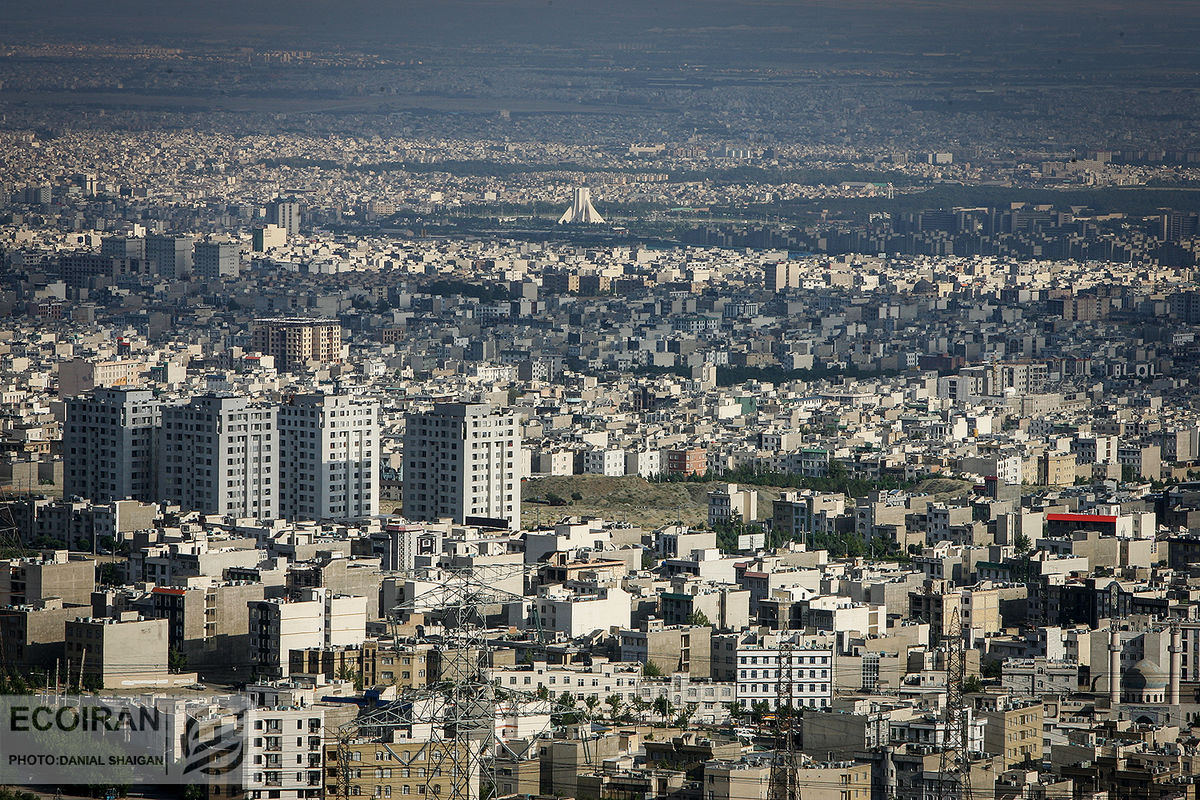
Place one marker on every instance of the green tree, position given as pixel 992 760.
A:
pixel 640 706
pixel 651 670
pixel 972 684
pixel 684 720
pixel 176 661
pixel 663 707
pixel 992 668
pixel 1022 545
pixel 699 619
pixel 614 705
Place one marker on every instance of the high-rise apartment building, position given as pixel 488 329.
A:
pixel 110 441
pixel 217 260
pixel 220 455
pixel 171 255
pixel 285 214
pixel 329 447
pixel 123 247
pixel 295 341
pixel 460 461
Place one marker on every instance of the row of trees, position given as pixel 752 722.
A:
pixel 569 710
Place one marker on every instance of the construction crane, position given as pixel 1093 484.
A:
pixel 954 769
pixel 785 766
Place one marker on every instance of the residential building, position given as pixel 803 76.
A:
pixel 329 456
pixel 124 652
pixel 110 445
pixel 171 256
pixel 460 461
pixel 54 573
pixel 321 619
pixel 217 259
pixel 220 455
pixel 294 342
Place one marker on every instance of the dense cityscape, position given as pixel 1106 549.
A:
pixel 678 401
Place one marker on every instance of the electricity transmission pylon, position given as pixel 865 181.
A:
pixel 785 766
pixel 954 768
pixel 454 718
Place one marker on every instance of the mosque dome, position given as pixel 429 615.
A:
pixel 1144 675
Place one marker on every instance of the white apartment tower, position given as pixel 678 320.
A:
pixel 109 445
pixel 460 461
pixel 220 455
pixel 329 450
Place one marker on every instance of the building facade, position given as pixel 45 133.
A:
pixel 110 442
pixel 220 455
pixel 294 342
pixel 460 461
pixel 329 446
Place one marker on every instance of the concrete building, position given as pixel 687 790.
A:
pixel 460 461
pixel 406 665
pixel 208 625
pixel 798 515
pixel 294 342
pixel 729 504
pixel 761 659
pixel 340 575
pixel 329 456
pixel 1012 728
pixel 285 214
pixel 267 237
pixel 216 259
pixel 110 445
pixel 322 619
pixel 119 653
pixel 29 581
pixel 579 613
pixel 403 767
pixel 282 759
pixel 171 256
pixel 32 635
pixel 400 547
pixel 675 648
pixel 220 455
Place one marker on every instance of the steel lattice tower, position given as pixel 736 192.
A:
pixel 954 769
pixel 785 766
pixel 456 715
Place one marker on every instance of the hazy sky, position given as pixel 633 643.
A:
pixel 999 26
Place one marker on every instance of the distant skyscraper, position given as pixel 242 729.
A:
pixel 581 208
pixel 329 451
pixel 220 455
pixel 171 255
pixel 295 341
pixel 285 214
pixel 461 461
pixel 217 260
pixel 109 445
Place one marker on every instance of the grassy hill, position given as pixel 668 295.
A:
pixel 628 499
pixel 639 502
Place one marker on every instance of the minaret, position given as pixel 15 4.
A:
pixel 1114 663
pixel 1173 674
pixel 581 209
